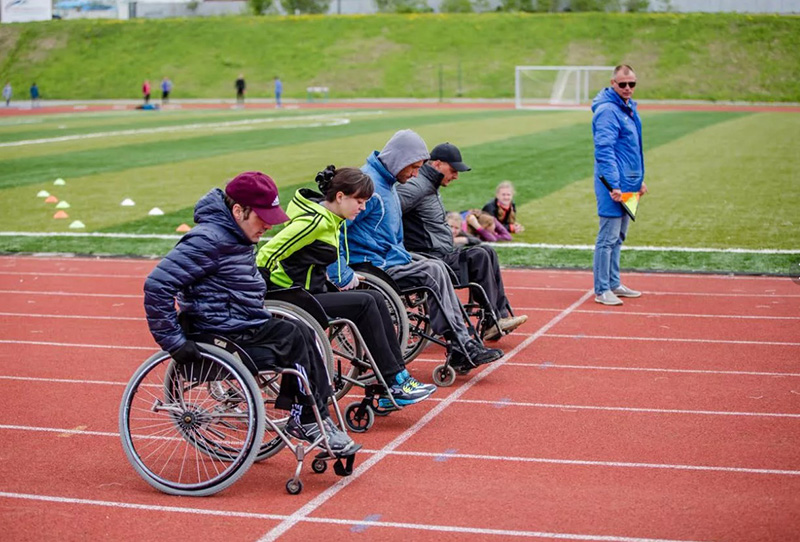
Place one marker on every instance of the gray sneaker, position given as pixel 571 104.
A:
pixel 608 298
pixel 339 440
pixel 309 432
pixel 624 291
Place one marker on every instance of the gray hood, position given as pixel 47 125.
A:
pixel 405 147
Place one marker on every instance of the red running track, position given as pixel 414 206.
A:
pixel 674 417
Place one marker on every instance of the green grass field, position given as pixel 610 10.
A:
pixel 713 56
pixel 718 180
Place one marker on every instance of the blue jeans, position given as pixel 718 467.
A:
pixel 606 252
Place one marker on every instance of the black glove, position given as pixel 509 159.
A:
pixel 187 354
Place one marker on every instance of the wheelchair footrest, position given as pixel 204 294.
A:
pixel 344 468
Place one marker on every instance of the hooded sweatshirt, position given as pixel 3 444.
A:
pixel 376 233
pixel 212 272
pixel 618 157
pixel 299 254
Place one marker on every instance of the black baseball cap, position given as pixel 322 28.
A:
pixel 447 152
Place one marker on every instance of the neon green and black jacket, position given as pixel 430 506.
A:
pixel 300 253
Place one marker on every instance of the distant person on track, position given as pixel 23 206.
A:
pixel 503 208
pixel 278 92
pixel 428 233
pixel 241 86
pixel 166 88
pixel 618 157
pixel 146 91
pixel 8 91
pixel 34 96
pixel 212 274
pixel 376 236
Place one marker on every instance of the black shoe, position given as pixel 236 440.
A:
pixel 481 355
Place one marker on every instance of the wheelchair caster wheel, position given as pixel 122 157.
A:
pixel 358 423
pixel 294 487
pixel 444 376
pixel 319 466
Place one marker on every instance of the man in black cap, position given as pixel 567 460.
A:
pixel 428 233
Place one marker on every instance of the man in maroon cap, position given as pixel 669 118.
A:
pixel 212 274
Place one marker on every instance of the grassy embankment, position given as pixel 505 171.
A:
pixel 694 56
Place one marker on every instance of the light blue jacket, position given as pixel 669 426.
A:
pixel 376 233
pixel 618 157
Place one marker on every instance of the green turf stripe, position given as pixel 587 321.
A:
pixel 542 163
pixel 15 172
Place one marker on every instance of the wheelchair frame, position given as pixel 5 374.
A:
pixel 194 430
pixel 343 342
pixel 416 298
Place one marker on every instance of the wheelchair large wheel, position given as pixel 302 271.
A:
pixel 397 310
pixel 419 325
pixel 192 430
pixel 349 363
pixel 287 311
pixel 271 442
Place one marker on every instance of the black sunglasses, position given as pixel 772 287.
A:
pixel 626 84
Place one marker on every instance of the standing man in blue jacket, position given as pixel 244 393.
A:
pixel 618 157
pixel 376 236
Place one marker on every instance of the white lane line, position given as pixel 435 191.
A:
pixel 79 345
pixel 635 248
pixel 71 294
pixel 321 120
pixel 508 288
pixel 521 310
pixel 72 275
pixel 628 409
pixel 622 464
pixel 668 339
pixel 480 457
pixel 46 257
pixel 73 316
pixel 547 365
pixel 658 293
pixel 335 521
pixel 63 380
pixel 326 495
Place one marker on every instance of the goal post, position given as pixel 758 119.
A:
pixel 558 85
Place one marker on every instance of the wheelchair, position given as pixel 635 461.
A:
pixel 194 429
pixel 414 329
pixel 344 352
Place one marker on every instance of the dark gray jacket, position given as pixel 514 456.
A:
pixel 424 217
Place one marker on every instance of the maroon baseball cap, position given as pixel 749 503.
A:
pixel 258 191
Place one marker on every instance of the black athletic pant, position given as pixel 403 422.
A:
pixel 479 264
pixel 367 310
pixel 290 345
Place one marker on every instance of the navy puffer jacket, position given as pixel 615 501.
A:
pixel 212 273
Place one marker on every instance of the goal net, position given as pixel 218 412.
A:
pixel 559 85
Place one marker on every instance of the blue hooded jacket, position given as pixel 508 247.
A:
pixel 212 273
pixel 376 233
pixel 618 157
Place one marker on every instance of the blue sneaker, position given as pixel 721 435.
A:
pixel 406 390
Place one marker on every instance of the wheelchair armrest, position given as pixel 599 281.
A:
pixel 301 298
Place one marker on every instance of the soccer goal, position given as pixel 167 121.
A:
pixel 559 85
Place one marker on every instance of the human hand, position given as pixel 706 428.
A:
pixel 354 282
pixel 472 220
pixel 187 354
pixel 517 228
pixel 616 194
pixel 643 190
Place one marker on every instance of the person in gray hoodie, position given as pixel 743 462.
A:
pixel 375 236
